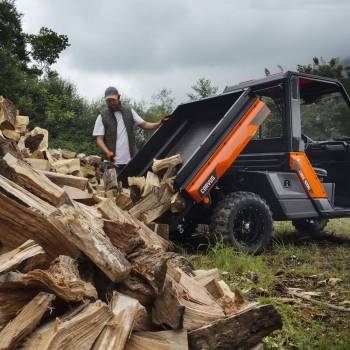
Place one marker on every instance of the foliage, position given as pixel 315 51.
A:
pixel 203 88
pixel 46 47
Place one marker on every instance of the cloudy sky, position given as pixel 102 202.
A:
pixel 142 46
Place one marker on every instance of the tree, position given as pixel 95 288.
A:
pixel 203 88
pixel 46 47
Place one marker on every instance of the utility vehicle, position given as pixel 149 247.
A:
pixel 273 149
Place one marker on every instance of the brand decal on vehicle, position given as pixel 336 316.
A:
pixel 303 178
pixel 207 184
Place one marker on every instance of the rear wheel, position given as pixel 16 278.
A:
pixel 243 220
pixel 310 225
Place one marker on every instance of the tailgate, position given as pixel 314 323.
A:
pixel 209 134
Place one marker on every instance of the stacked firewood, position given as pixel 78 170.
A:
pixel 90 273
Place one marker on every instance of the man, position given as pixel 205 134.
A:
pixel 114 130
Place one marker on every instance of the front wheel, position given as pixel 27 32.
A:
pixel 244 220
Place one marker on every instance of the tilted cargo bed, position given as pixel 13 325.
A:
pixel 208 134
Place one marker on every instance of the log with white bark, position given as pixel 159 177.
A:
pixel 245 330
pixel 86 232
pixel 25 322
pixel 34 180
pixel 24 258
pixel 119 327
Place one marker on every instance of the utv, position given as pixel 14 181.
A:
pixel 266 150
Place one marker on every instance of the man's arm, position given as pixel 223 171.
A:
pixel 149 126
pixel 101 145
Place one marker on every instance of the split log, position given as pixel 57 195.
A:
pixel 161 230
pixel 150 215
pixel 8 113
pixel 151 184
pixel 24 216
pixel 123 200
pixel 178 203
pixel 39 164
pixel 138 288
pixel 62 279
pixel 10 146
pixel 34 180
pixel 11 134
pixel 68 180
pixel 119 327
pixel 24 258
pixel 21 123
pixel 77 332
pixel 13 299
pixel 66 166
pixel 237 332
pixel 145 204
pixel 89 171
pixel 163 340
pixel 110 179
pixel 79 195
pixel 37 139
pixel 165 163
pixel 87 234
pixel 184 303
pixel 2 137
pixel 25 322
pixel 67 154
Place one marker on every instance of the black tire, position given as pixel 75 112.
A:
pixel 243 220
pixel 310 225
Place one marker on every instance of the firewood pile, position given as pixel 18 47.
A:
pixel 84 265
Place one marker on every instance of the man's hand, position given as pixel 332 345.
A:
pixel 111 157
pixel 163 120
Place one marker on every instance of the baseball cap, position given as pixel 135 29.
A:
pixel 111 92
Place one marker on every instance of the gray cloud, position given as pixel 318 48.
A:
pixel 143 46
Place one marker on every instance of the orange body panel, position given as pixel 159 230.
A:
pixel 228 151
pixel 307 176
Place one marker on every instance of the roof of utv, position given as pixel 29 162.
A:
pixel 270 79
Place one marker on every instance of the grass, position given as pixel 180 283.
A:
pixel 310 262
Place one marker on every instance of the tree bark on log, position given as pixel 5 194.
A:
pixel 246 330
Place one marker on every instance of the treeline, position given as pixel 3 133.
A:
pixel 53 103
